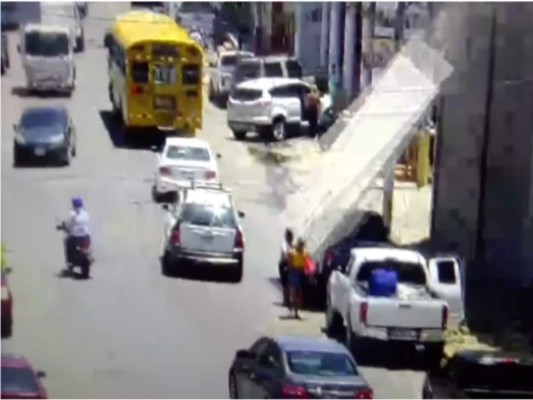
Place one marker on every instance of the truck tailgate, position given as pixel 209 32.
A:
pixel 387 312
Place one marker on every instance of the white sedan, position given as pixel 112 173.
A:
pixel 182 161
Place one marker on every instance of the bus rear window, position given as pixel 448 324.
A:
pixel 140 72
pixel 190 74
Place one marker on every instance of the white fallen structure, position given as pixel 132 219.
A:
pixel 325 206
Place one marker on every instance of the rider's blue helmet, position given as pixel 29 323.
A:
pixel 77 202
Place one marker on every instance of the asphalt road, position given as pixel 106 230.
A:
pixel 130 332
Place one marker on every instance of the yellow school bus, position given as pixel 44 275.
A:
pixel 155 74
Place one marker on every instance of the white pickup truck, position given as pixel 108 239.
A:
pixel 429 294
pixel 221 76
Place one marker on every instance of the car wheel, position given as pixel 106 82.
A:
pixel 66 158
pixel 156 196
pixel 434 354
pixel 237 272
pixel 334 323
pixel 80 43
pixel 7 328
pixel 279 130
pixel 239 135
pixel 16 158
pixel 232 385
pixel 165 264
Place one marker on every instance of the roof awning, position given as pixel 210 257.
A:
pixel 371 142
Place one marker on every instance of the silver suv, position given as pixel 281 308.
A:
pixel 203 228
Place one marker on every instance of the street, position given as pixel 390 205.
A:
pixel 130 332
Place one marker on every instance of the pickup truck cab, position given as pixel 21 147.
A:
pixel 429 291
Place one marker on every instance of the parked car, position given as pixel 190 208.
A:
pixel 267 67
pixel 203 228
pixel 44 133
pixel 481 374
pixel 221 78
pixel 5 54
pixel 296 367
pixel 416 312
pixel 181 161
pixel 20 380
pixel 272 107
pixel 7 306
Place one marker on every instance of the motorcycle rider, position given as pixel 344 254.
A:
pixel 77 228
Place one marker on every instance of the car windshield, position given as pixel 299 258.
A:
pixel 188 153
pixel 320 363
pixel 248 71
pixel 196 7
pixel 228 61
pixel 18 380
pixel 412 273
pixel 46 44
pixel 40 118
pixel 208 215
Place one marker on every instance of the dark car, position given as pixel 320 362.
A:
pixel 481 374
pixel 44 133
pixel 266 67
pixel 20 380
pixel 5 54
pixel 7 307
pixel 296 367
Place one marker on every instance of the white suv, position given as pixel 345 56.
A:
pixel 272 107
pixel 203 228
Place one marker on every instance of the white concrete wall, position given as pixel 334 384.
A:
pixel 308 33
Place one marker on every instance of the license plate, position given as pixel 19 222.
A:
pixel 403 334
pixel 40 152
pixel 242 127
pixel 187 175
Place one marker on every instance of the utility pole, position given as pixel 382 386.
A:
pixel 368 18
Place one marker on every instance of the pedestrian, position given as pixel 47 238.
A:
pixel 286 247
pixel 298 260
pixel 312 107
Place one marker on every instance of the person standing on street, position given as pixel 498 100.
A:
pixel 312 107
pixel 298 260
pixel 286 247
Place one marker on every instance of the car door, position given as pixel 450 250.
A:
pixel 288 102
pixel 269 373
pixel 168 222
pixel 246 369
pixel 338 283
pixel 445 280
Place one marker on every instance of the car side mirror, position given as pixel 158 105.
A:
pixel 15 127
pixel 243 355
pixel 41 374
pixel 241 214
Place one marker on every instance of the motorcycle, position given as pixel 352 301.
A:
pixel 81 254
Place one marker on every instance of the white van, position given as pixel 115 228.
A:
pixel 65 14
pixel 48 57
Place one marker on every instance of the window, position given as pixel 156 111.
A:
pixel 247 94
pixel 249 70
pixel 319 363
pixel 294 69
pixel 273 70
pixel 18 380
pixel 160 50
pixel 271 357
pixel 47 44
pixel 207 215
pixel 187 153
pixel 407 272
pixel 191 74
pixel 196 7
pixel 164 74
pixel 282 92
pixel 446 272
pixel 140 72
pixel 228 61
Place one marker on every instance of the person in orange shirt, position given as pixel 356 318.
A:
pixel 298 259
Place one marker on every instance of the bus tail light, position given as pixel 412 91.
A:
pixel 136 90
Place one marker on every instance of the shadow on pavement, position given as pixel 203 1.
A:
pixel 311 303
pixel 39 163
pixel 22 91
pixel 203 273
pixel 142 141
pixel 69 273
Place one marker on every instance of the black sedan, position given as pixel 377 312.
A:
pixel 296 367
pixel 44 133
pixel 481 374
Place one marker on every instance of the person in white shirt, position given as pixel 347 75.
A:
pixel 286 247
pixel 77 227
